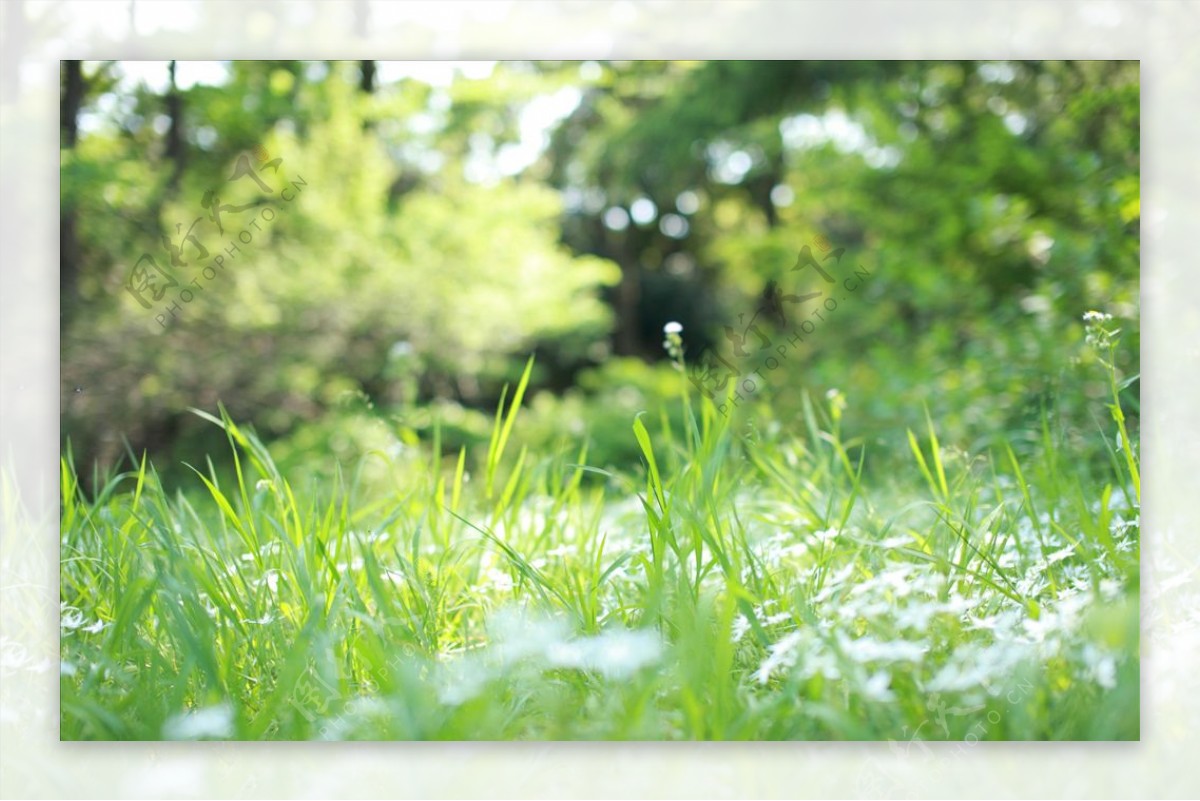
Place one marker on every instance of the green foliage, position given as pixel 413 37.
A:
pixel 416 530
pixel 991 203
pixel 598 410
pixel 732 588
pixel 339 293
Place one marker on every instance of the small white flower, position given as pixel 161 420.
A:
pixel 672 328
pixel 214 722
pixel 70 617
pixel 796 550
pixel 826 535
pixel 868 649
pixel 782 655
pixel 878 687
pixel 1060 555
pixel 1101 666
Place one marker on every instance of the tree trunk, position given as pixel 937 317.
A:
pixel 176 147
pixel 73 91
pixel 71 101
pixel 629 296
pixel 367 79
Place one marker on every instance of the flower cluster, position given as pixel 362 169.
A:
pixel 1098 333
pixel 673 341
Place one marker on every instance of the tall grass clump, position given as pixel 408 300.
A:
pixel 751 579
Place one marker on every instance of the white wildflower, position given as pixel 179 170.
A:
pixel 826 535
pixel 214 722
pixel 975 667
pixel 878 687
pixel 782 655
pixel 795 550
pixel 70 618
pixel 498 580
pixel 1102 667
pixel 868 649
pixel 615 654
pixel 916 616
pixel 1060 555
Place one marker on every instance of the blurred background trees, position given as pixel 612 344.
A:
pixel 454 218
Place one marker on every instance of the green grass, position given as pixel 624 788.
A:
pixel 745 583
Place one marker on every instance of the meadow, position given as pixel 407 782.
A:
pixel 658 400
pixel 743 584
